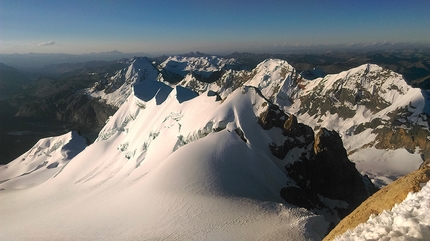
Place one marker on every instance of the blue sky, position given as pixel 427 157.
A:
pixel 207 26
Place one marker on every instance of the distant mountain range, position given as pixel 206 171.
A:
pixel 11 81
pixel 412 62
pixel 34 61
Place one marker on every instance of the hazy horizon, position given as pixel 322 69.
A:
pixel 78 27
pixel 298 49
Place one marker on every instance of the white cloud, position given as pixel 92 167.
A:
pixel 47 43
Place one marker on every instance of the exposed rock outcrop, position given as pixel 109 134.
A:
pixel 332 173
pixel 384 199
pixel 319 166
pixel 327 172
pixel 409 138
pixel 75 109
pixel 273 116
pixel 293 128
pixel 298 136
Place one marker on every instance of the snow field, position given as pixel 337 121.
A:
pixel 385 166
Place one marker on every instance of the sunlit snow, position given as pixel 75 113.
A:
pixel 409 220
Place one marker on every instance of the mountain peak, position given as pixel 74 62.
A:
pixel 276 79
pixel 206 68
pixel 141 69
pixel 116 89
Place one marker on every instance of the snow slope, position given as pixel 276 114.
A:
pixel 385 166
pixel 409 220
pixel 168 165
pixel 43 161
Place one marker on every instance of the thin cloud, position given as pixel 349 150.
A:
pixel 47 43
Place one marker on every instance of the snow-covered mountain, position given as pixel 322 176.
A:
pixel 116 89
pixel 233 155
pixel 43 161
pixel 384 123
pixel 202 69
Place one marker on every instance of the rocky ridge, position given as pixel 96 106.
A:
pixel 384 199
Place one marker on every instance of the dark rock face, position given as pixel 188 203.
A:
pixel 295 129
pixel 299 136
pixel 240 133
pixel 328 173
pixel 334 176
pixel 272 117
pixel 322 167
pixel 75 109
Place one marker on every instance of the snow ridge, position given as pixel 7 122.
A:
pixel 43 161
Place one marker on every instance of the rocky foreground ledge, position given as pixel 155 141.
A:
pixel 384 199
